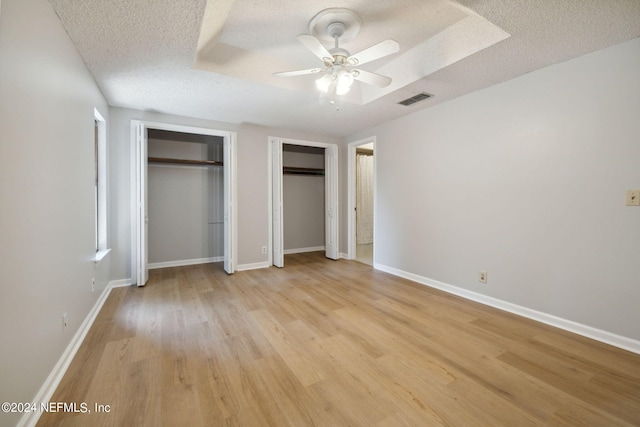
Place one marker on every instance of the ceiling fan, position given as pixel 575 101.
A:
pixel 339 72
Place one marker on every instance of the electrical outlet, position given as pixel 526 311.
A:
pixel 482 277
pixel 93 284
pixel 633 197
pixel 264 249
pixel 64 321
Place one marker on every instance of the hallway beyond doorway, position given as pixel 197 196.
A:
pixel 364 254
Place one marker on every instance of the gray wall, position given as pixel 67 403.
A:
pixel 47 97
pixel 303 202
pixel 525 180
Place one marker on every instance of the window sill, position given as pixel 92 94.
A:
pixel 100 255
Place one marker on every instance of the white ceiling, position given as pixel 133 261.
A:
pixel 214 59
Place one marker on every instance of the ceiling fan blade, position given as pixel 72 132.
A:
pixel 317 48
pixel 297 72
pixel 379 50
pixel 371 78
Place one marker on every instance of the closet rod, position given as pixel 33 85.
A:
pixel 301 171
pixel 184 161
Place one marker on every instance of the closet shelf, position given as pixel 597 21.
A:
pixel 184 161
pixel 290 170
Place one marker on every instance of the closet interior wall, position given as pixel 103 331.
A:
pixel 185 201
pixel 303 199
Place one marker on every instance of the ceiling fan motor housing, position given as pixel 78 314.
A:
pixel 339 56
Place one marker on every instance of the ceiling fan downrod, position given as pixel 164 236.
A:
pixel 336 30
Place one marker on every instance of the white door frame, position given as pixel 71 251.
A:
pixel 276 220
pixel 351 189
pixel 331 198
pixel 139 250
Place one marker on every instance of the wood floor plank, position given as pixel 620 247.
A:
pixel 333 343
pixel 592 352
pixel 303 368
pixel 422 396
pixel 604 398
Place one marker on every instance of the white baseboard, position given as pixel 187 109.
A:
pixel 343 255
pixel 302 250
pixel 120 283
pixel 549 319
pixel 184 262
pixel 45 393
pixel 254 266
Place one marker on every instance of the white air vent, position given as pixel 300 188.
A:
pixel 416 98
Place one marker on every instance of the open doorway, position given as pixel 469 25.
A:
pixel 361 182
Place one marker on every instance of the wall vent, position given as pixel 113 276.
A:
pixel 416 98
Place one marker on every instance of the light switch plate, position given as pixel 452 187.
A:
pixel 633 197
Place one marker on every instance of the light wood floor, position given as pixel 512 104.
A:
pixel 333 343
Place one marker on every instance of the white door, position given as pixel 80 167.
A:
pixel 141 199
pixel 229 203
pixel 331 201
pixel 278 232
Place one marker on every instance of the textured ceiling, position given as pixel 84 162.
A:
pixel 214 59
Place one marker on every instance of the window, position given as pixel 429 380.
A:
pixel 100 185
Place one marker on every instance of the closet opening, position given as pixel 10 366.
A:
pixel 183 197
pixel 185 184
pixel 303 197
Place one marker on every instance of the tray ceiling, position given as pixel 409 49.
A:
pixel 213 59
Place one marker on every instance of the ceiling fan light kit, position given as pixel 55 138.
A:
pixel 344 82
pixel 339 24
pixel 324 82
